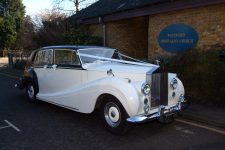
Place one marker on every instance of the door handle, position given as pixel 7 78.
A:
pixel 54 67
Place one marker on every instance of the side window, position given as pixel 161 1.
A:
pixel 66 57
pixel 43 57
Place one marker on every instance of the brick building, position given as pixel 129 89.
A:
pixel 133 26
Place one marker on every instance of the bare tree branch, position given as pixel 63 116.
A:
pixel 69 10
pixel 76 4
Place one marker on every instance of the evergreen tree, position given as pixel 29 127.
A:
pixel 11 22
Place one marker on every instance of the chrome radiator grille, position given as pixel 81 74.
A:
pixel 159 89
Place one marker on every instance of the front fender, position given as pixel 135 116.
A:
pixel 125 92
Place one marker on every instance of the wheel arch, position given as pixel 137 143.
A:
pixel 101 98
pixel 30 76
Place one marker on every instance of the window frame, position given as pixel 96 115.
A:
pixel 42 65
pixel 67 66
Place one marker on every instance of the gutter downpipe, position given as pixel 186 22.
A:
pixel 104 34
pixel 103 30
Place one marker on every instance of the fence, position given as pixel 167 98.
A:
pixel 17 58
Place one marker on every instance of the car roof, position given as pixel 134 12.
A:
pixel 74 47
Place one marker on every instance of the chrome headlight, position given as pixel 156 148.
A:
pixel 174 83
pixel 145 88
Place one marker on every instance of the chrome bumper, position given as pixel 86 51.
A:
pixel 162 111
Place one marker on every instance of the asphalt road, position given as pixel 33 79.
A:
pixel 40 126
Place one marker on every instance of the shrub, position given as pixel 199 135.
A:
pixel 203 75
pixel 19 64
pixel 82 36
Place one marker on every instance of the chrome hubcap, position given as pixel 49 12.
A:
pixel 31 91
pixel 112 114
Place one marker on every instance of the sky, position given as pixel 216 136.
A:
pixel 37 6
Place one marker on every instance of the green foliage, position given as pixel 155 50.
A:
pixel 11 22
pixel 17 11
pixel 82 36
pixel 19 64
pixel 203 75
pixel 25 38
pixel 1 8
pixel 7 31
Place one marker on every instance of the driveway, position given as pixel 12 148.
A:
pixel 35 126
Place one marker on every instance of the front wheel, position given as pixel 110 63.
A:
pixel 114 116
pixel 30 92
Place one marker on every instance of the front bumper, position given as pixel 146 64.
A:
pixel 162 112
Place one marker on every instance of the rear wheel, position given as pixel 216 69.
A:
pixel 114 116
pixel 30 92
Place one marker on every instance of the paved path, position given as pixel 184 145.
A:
pixel 2 65
pixel 3 61
pixel 25 125
pixel 210 115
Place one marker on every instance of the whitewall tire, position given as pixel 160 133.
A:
pixel 114 116
pixel 30 92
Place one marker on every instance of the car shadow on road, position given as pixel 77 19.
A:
pixel 92 122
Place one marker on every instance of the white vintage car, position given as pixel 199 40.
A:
pixel 85 78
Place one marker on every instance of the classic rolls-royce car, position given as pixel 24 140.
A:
pixel 85 78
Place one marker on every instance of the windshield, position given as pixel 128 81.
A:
pixel 103 54
pixel 99 54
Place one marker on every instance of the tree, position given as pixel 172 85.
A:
pixel 11 22
pixel 54 28
pixel 77 4
pixel 2 9
pixel 7 32
pixel 50 28
pixel 26 37
pixel 81 35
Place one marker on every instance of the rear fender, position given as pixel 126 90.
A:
pixel 29 76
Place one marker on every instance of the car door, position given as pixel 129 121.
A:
pixel 64 76
pixel 42 61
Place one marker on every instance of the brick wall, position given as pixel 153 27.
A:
pixel 96 29
pixel 208 21
pixel 129 36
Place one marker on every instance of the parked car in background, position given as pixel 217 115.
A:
pixel 85 78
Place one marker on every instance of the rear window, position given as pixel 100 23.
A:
pixel 44 57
